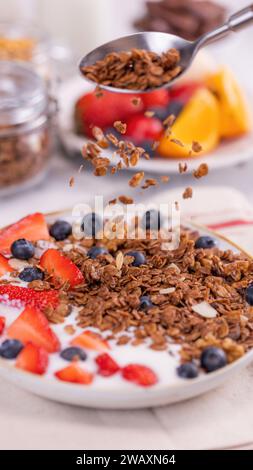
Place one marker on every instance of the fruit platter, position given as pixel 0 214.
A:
pixel 209 105
pixel 120 323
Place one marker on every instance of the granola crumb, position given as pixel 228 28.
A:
pixel 187 194
pixel 136 179
pixel 182 168
pixel 201 171
pixel 169 121
pixel 120 127
pixel 126 200
pixel 69 329
pixel 177 142
pixel 149 182
pixel 71 182
pixel 196 147
pixel 136 101
pixel 165 179
pixel 149 114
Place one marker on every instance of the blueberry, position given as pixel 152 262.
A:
pixel 161 112
pixel 152 220
pixel 22 249
pixel 213 358
pixel 145 303
pixel 95 251
pixel 60 230
pixel 139 258
pixel 72 353
pixel 30 274
pixel 147 145
pixel 205 242
pixel 249 294
pixel 91 224
pixel 188 370
pixel 175 107
pixel 10 348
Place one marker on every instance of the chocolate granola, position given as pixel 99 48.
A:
pixel 137 69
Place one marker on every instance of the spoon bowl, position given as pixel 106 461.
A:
pixel 149 41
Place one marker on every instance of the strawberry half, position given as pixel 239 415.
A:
pixel 140 375
pixel 106 365
pixel 32 228
pixel 75 374
pixel 32 326
pixel 2 324
pixel 61 268
pixel 17 296
pixel 90 340
pixel 33 359
pixel 4 266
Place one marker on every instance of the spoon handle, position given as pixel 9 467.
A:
pixel 241 18
pixel 236 22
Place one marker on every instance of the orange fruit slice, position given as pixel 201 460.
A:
pixel 235 115
pixel 198 122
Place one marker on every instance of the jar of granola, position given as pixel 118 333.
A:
pixel 26 114
pixel 24 42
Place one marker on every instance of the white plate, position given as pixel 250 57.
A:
pixel 227 154
pixel 104 394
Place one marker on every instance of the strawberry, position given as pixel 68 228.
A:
pixel 140 375
pixel 184 92
pixel 90 340
pixel 106 365
pixel 32 228
pixel 75 374
pixel 18 296
pixel 103 111
pixel 157 98
pixel 33 359
pixel 4 266
pixel 32 326
pixel 2 324
pixel 61 268
pixel 142 128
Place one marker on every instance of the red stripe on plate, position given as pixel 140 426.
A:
pixel 229 223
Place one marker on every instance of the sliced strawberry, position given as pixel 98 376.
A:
pixel 140 375
pixel 32 228
pixel 103 111
pixel 4 266
pixel 17 296
pixel 75 374
pixel 185 92
pixel 90 340
pixel 141 128
pixel 2 324
pixel 33 359
pixel 32 326
pixel 156 98
pixel 106 365
pixel 61 268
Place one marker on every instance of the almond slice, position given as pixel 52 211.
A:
pixel 205 310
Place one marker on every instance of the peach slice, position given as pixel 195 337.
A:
pixel 199 121
pixel 235 115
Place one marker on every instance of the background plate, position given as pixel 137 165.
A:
pixel 227 154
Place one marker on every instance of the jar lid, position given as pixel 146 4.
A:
pixel 23 95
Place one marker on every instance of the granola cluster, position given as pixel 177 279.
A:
pixel 137 69
pixel 176 282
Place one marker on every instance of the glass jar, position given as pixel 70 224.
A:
pixel 26 114
pixel 27 43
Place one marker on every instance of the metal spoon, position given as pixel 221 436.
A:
pixel 161 42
